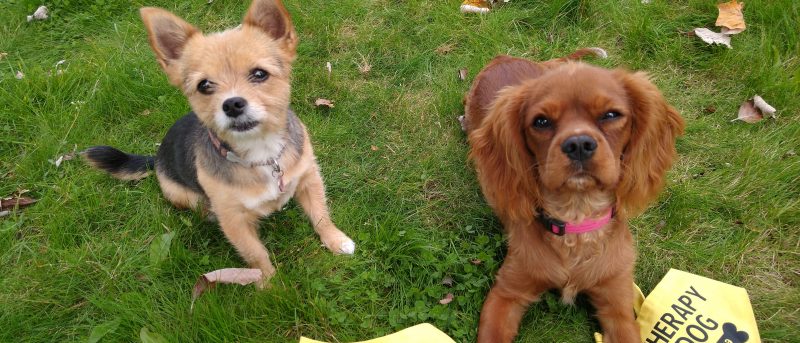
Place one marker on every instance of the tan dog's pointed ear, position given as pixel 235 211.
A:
pixel 272 17
pixel 651 149
pixel 168 36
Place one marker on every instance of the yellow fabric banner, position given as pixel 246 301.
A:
pixel 687 308
pixel 421 333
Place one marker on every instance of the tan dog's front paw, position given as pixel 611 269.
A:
pixel 267 272
pixel 339 243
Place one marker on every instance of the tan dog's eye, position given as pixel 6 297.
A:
pixel 542 123
pixel 610 115
pixel 205 87
pixel 258 75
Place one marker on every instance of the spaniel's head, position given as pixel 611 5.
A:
pixel 574 130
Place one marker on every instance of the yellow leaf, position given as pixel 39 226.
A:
pixel 731 17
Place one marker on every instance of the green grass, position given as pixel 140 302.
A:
pixel 80 257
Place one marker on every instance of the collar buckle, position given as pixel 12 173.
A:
pixel 559 228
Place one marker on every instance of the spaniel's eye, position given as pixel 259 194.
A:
pixel 610 115
pixel 205 87
pixel 542 123
pixel 258 75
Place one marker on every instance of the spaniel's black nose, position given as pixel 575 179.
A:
pixel 579 148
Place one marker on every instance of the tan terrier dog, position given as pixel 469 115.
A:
pixel 242 154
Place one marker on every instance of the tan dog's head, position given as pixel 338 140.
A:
pixel 577 129
pixel 237 81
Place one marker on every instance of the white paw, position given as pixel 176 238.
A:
pixel 348 247
pixel 461 120
pixel 599 52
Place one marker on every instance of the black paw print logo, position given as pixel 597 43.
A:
pixel 731 335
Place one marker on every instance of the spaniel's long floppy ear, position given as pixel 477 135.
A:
pixel 651 149
pixel 272 17
pixel 168 36
pixel 505 166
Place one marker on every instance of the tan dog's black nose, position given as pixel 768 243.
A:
pixel 579 148
pixel 234 107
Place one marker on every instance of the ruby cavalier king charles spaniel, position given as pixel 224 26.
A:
pixel 565 154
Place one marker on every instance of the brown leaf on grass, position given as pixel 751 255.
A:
pixel 462 74
pixel 242 276
pixel 730 17
pixel 476 6
pixel 447 281
pixel 444 49
pixel 323 102
pixel 373 148
pixel 62 158
pixel 447 299
pixel 65 157
pixel 364 67
pixel 16 201
pixel 40 14
pixel 476 261
pixel 755 109
pixel 712 37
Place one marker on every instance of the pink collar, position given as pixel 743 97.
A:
pixel 560 228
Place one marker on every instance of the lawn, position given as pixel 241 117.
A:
pixel 394 161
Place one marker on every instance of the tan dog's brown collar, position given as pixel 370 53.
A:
pixel 231 156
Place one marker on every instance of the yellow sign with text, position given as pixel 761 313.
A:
pixel 687 308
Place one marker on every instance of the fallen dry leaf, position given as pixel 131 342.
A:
pixel 329 68
pixel 444 49
pixel 323 102
pixel 447 299
pixel 462 74
pixel 712 37
pixel 242 276
pixel 730 17
pixel 20 75
pixel 476 261
pixel 364 67
pixel 39 14
pixel 447 281
pixel 755 109
pixel 65 157
pixel 16 201
pixel 475 6
pixel 373 148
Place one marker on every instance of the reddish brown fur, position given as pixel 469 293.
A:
pixel 522 168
